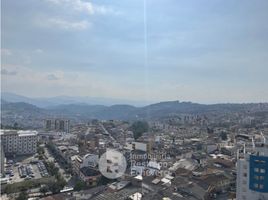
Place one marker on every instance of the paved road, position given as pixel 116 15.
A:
pixel 62 171
pixel 107 133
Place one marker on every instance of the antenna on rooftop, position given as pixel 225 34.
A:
pixel 264 139
pixel 253 143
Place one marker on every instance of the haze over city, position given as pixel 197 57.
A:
pixel 134 100
pixel 200 51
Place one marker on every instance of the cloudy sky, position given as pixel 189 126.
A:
pixel 202 51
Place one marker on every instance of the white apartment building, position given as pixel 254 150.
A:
pixel 19 142
pixel 252 171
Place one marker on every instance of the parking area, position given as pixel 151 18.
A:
pixel 20 169
pixel 42 169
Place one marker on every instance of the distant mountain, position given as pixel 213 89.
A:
pixel 65 100
pixel 26 115
pixel 30 112
pixel 14 98
pixel 26 111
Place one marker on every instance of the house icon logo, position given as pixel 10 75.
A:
pixel 112 164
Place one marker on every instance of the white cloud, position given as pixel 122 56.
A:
pixel 67 25
pixel 6 52
pixel 38 51
pixel 32 82
pixel 7 72
pixel 82 6
pixel 52 77
pixel 73 8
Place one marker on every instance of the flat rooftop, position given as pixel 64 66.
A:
pixel 19 132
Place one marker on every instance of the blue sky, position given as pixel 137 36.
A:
pixel 202 51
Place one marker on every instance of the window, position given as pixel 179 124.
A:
pixel 245 174
pixel 256 177
pixel 261 177
pixel 256 185
pixel 260 161
pixel 262 171
pixel 256 169
pixel 261 186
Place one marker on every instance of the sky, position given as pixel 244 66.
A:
pixel 143 50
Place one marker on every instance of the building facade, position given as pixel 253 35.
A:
pixel 19 142
pixel 89 160
pixel 2 164
pixel 252 172
pixel 61 125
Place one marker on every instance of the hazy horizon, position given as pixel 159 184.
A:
pixel 204 52
pixel 117 101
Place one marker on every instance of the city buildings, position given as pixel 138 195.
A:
pixel 62 125
pixel 19 142
pixel 252 171
pixel 2 158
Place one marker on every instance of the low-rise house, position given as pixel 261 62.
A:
pixel 90 176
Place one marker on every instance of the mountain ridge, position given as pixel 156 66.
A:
pixel 126 112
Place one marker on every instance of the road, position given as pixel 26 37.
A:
pixel 62 171
pixel 107 133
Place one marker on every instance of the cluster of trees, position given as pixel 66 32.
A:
pixel 224 135
pixel 60 182
pixel 80 185
pixel 138 128
pixel 15 126
pixel 41 152
pixel 51 147
pixel 22 196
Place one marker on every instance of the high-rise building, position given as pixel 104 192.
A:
pixel 19 142
pixel 2 158
pixel 48 124
pixel 252 171
pixel 61 125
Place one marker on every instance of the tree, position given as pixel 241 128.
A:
pixel 44 189
pixel 53 170
pixel 224 136
pixel 138 128
pixel 22 196
pixel 16 126
pixel 54 188
pixel 79 186
pixel 40 150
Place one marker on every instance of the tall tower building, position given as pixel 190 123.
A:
pixel 2 159
pixel 61 125
pixel 252 171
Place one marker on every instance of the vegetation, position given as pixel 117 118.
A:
pixel 138 128
pixel 27 184
pixel 44 189
pixel 40 150
pixel 22 196
pixel 80 185
pixel 224 136
pixel 15 126
pixel 51 147
pixel 52 169
pixel 59 180
pixel 54 188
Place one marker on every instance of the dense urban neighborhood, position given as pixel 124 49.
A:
pixel 196 154
pixel 134 100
